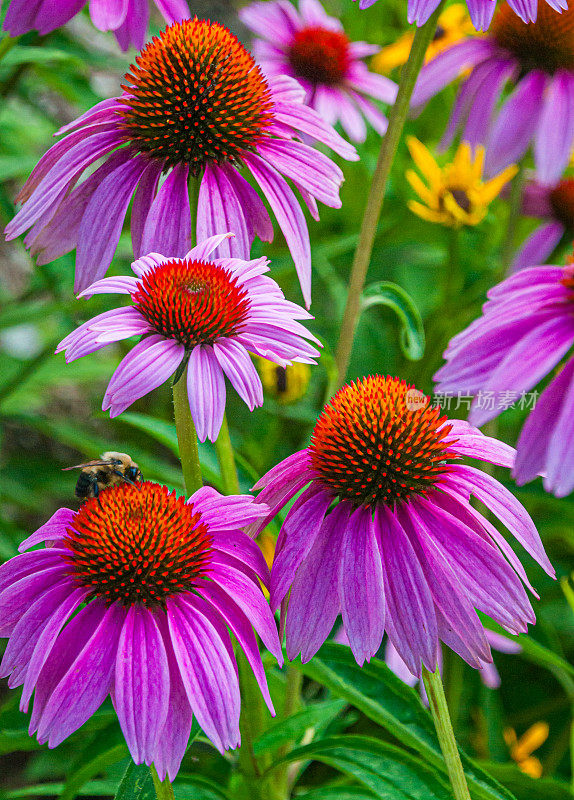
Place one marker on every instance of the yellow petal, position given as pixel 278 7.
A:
pixel 394 55
pixel 493 187
pixel 423 159
pixel 421 189
pixel 531 766
pixel 426 213
pixel 531 740
pixel 478 162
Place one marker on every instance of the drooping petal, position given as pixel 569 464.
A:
pixel 206 392
pixel 167 228
pixel 555 132
pixel 361 586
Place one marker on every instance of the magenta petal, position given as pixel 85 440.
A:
pixel 107 15
pixel 174 737
pixel 219 210
pixel 235 361
pixel 539 246
pixel 299 531
pixel 202 649
pixel 102 223
pixel 206 392
pixel 143 200
pixel 141 687
pixel 411 621
pixel 84 675
pixel 505 506
pixel 516 123
pixel 559 476
pixel 241 628
pixel 361 586
pixel 555 132
pixel 53 529
pixel 314 600
pixel 167 228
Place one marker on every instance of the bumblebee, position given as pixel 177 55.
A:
pixel 110 470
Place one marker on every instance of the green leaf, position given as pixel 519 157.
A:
pixel 293 728
pixel 393 296
pixel 136 784
pixel 526 788
pixel 39 55
pixel 338 793
pixel 388 771
pixel 386 700
pixel 91 789
pixel 101 756
pixel 198 788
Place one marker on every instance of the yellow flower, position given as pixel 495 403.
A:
pixel 286 385
pixel 453 195
pixel 454 24
pixel 521 749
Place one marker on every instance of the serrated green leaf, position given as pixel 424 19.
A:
pixel 393 296
pixel 386 700
pixel 388 771
pixel 293 728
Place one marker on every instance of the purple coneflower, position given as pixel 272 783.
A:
pixel 195 105
pixel 481 11
pixel 206 314
pixel 537 58
pixel 526 330
pixel 142 617
pixel 384 531
pixel 554 204
pixel 313 48
pixel 128 19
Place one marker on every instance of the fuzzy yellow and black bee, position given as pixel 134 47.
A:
pixel 109 470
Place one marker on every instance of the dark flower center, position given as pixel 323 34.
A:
pixel 547 44
pixel 461 199
pixel 320 55
pixel 194 302
pixel 562 202
pixel 378 441
pixel 196 95
pixel 138 544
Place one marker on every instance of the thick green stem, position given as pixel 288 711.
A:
pixel 186 437
pixel 163 789
pixel 389 145
pixel 443 725
pixel 226 458
pixel 6 44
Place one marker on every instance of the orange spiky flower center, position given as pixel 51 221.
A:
pixel 195 96
pixel 378 441
pixel 547 44
pixel 319 55
pixel 194 302
pixel 138 544
pixel 562 202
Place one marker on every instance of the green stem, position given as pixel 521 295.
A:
pixel 186 437
pixel 443 725
pixel 226 458
pixel 514 214
pixel 163 789
pixel 389 145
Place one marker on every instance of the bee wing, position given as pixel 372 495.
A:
pixel 97 463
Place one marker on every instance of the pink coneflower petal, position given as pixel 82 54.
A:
pixel 206 392
pixel 539 246
pixel 555 128
pixel 521 113
pixel 387 499
pixel 534 441
pixel 447 66
pixel 361 586
pixel 141 681
pixel 92 653
pixel 240 113
pixel 167 228
pixel 203 650
pixel 108 14
pixel 411 619
pixel 314 600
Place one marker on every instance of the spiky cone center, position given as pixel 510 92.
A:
pixel 568 274
pixel 194 302
pixel 547 44
pixel 320 55
pixel 195 95
pixel 562 202
pixel 138 544
pixel 378 441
